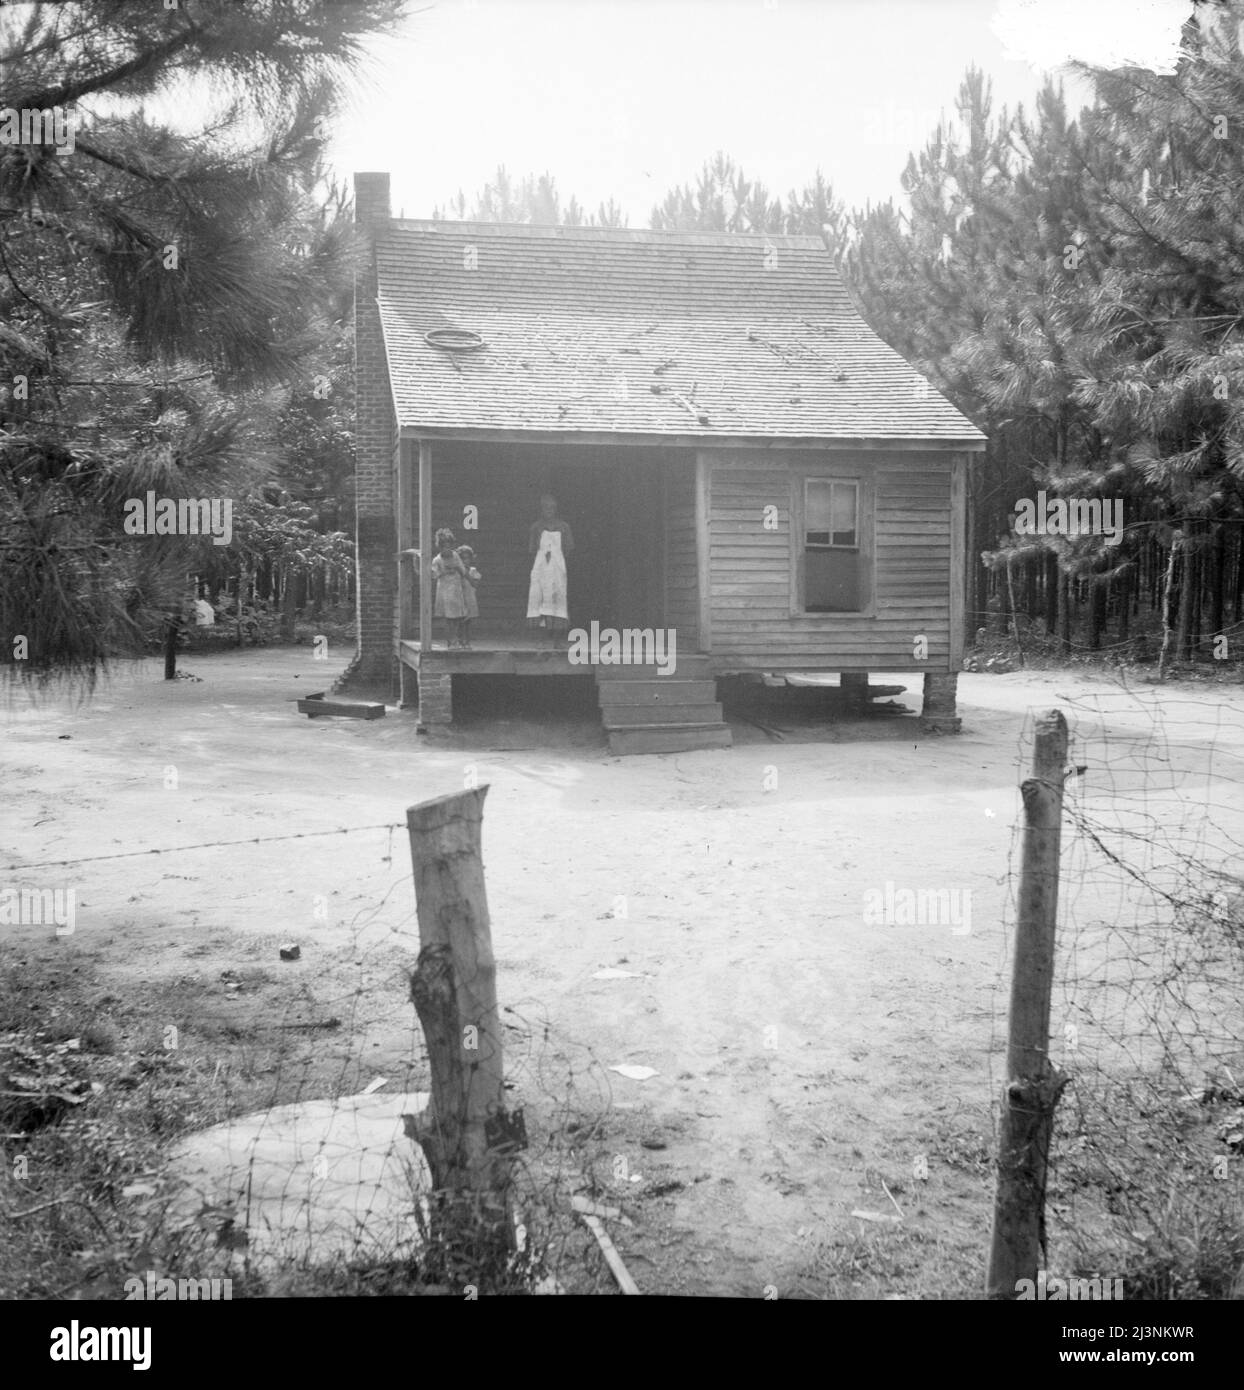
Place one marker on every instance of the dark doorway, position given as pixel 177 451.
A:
pixel 585 499
pixel 615 574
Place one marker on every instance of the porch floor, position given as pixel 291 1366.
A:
pixel 518 653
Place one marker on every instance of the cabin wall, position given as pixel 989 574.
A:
pixel 750 564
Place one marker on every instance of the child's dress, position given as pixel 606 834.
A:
pixel 451 584
pixel 546 598
pixel 468 584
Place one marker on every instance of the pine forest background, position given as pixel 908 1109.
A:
pixel 1073 282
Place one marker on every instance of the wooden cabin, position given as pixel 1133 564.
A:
pixel 745 465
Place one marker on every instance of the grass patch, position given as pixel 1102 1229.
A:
pixel 100 1086
pixel 1161 1206
pixel 85 1202
pixel 893 1263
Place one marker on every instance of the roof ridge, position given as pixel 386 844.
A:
pixel 555 230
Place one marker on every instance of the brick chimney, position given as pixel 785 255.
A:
pixel 371 202
pixel 374 443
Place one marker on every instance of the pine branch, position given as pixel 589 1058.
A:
pixel 67 93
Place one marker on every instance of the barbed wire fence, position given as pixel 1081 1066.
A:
pixel 278 1089
pixel 1146 1171
pixel 1145 1174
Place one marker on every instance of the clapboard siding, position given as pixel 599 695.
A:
pixel 750 565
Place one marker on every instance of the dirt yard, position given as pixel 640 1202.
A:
pixel 806 1055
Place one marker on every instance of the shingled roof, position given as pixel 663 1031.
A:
pixel 601 331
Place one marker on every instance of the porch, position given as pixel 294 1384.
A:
pixel 616 500
pixel 633 566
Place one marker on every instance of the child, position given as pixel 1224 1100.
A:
pixel 467 556
pixel 450 575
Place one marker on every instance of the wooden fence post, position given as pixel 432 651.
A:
pixel 1033 1084
pixel 465 1133
pixel 172 631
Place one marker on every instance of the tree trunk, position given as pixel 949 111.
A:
pixel 1237 610
pixel 1156 591
pixel 244 581
pixel 1187 595
pixel 1010 589
pixel 1006 592
pixel 1200 564
pixel 171 633
pixel 1097 610
pixel 1218 580
pixel 288 611
pixel 1051 581
pixel 1123 595
pixel 1168 602
pixel 1064 612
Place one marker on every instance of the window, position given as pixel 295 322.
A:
pixel 832 561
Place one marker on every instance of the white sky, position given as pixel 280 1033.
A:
pixel 626 98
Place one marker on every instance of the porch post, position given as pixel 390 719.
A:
pixel 703 503
pixel 425 547
pixel 665 546
pixel 405 542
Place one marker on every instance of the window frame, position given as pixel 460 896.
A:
pixel 830 472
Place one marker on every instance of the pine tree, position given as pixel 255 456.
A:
pixel 534 199
pixel 160 291
pixel 1171 305
pixel 724 199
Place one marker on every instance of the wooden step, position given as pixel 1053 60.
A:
pixel 660 738
pixel 656 693
pixel 689 666
pixel 633 716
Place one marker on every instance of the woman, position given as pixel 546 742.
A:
pixel 549 542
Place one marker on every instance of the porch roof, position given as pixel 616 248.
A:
pixel 659 334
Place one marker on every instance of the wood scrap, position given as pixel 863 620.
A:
pixel 700 415
pixel 586 1207
pixel 319 705
pixel 610 1252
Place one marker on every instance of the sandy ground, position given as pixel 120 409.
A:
pixel 805 1055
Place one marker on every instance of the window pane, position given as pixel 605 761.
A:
pixel 844 500
pixel 831 512
pixel 818 508
pixel 831 581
